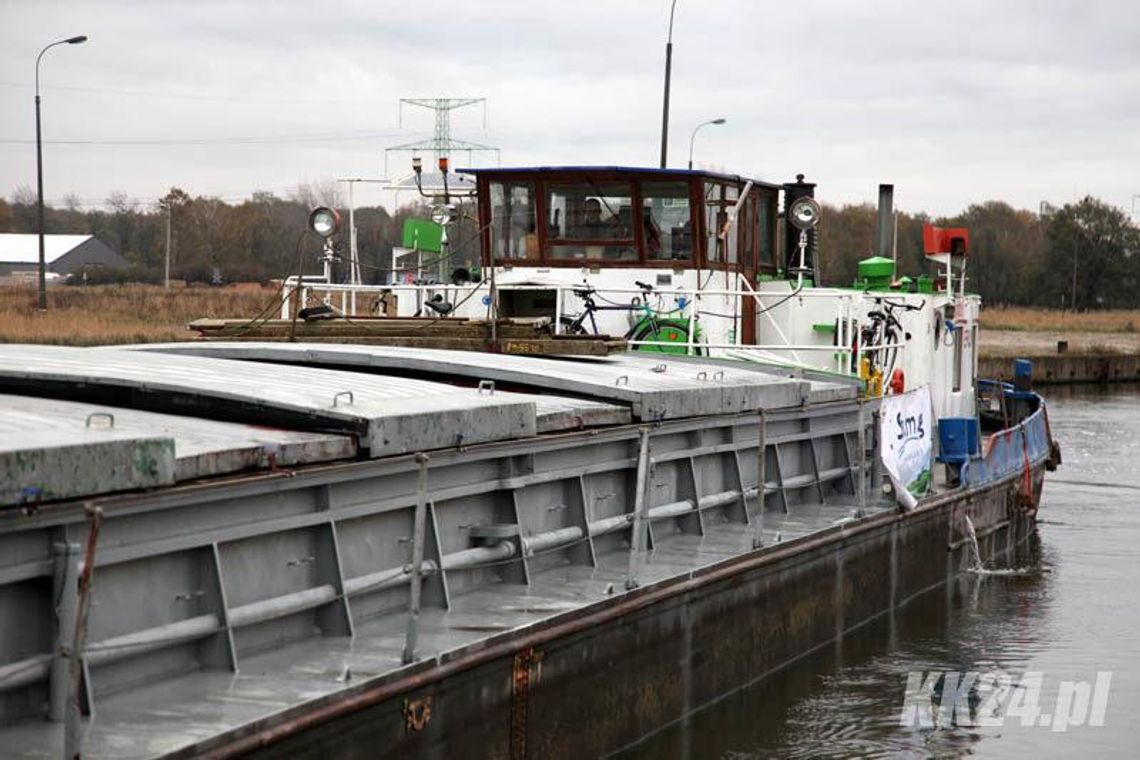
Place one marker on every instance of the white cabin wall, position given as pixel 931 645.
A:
pixel 947 401
pixel 783 317
pixel 669 282
pixel 788 319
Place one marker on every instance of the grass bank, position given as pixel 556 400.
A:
pixel 104 314
pixel 1052 320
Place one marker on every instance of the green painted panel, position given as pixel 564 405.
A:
pixel 424 234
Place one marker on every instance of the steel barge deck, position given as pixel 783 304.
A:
pixel 606 544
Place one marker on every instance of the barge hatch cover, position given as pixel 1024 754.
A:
pixel 652 386
pixel 202 448
pixel 45 465
pixel 390 415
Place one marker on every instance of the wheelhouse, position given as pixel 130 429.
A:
pixel 690 262
pixel 615 217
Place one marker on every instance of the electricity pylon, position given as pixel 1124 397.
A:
pixel 442 143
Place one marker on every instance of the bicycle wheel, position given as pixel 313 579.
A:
pixel 891 354
pixel 571 326
pixel 665 331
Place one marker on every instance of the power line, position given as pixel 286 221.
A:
pixel 62 204
pixel 175 95
pixel 282 194
pixel 266 140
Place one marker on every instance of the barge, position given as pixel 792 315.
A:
pixel 284 549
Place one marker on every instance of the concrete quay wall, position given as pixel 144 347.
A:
pixel 1060 369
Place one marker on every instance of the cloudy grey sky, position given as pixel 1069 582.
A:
pixel 954 102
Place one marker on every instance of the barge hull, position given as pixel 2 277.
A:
pixel 586 684
pixel 565 590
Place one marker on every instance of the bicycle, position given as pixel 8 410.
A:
pixel 650 327
pixel 879 342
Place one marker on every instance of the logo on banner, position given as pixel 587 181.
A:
pixel 907 443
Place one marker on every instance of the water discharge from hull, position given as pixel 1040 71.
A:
pixel 977 566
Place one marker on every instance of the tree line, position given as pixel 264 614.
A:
pixel 257 239
pixel 1083 255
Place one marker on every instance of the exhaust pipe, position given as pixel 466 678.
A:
pixel 884 231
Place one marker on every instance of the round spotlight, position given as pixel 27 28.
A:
pixel 324 221
pixel 443 214
pixel 804 213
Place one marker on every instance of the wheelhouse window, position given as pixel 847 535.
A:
pixel 732 238
pixel 715 218
pixel 667 221
pixel 747 223
pixel 514 221
pixel 591 220
pixel 589 216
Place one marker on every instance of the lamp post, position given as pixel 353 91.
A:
pixel 694 136
pixel 668 67
pixel 40 167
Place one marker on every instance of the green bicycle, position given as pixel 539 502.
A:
pixel 668 335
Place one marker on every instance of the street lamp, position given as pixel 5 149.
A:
pixel 40 166
pixel 694 136
pixel 668 67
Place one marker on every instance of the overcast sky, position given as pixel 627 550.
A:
pixel 954 102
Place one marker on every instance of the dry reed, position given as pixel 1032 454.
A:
pixel 1052 320
pixel 108 314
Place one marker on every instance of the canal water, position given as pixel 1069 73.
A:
pixel 1037 639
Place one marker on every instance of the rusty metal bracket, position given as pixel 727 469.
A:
pixel 417 714
pixel 526 672
pixel 72 730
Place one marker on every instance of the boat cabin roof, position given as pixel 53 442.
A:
pixel 632 170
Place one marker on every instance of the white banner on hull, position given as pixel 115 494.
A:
pixel 906 431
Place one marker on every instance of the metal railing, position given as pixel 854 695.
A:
pixel 846 344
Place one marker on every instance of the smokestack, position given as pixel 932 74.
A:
pixel 884 232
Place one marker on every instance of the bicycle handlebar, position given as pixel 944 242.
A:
pixel 643 286
pixel 904 305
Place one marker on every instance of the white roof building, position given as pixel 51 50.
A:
pixel 63 254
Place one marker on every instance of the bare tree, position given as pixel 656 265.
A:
pixel 122 211
pixel 24 202
pixel 24 195
pixel 118 202
pixel 325 192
